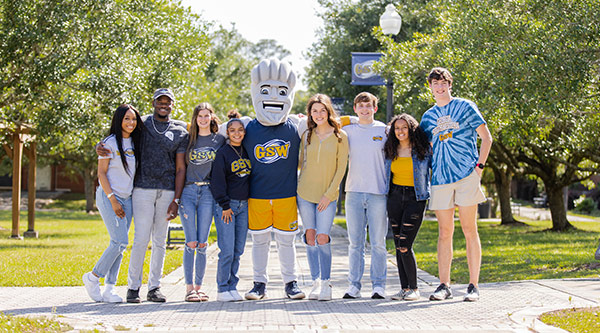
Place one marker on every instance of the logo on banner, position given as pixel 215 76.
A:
pixel 364 70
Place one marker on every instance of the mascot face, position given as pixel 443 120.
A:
pixel 272 91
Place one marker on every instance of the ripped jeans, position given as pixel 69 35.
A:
pixel 196 214
pixel 109 263
pixel 405 214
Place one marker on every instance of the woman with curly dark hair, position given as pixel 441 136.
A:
pixel 408 164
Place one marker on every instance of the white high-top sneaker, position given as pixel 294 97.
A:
pixel 314 290
pixel 325 294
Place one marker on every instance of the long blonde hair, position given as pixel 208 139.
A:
pixel 331 115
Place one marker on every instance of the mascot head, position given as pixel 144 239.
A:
pixel 273 83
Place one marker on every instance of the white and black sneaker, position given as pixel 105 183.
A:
pixel 472 294
pixel 441 293
pixel 352 292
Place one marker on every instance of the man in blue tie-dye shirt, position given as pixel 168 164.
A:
pixel 452 126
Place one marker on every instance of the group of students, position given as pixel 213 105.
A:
pixel 392 171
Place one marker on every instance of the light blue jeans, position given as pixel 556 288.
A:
pixel 109 263
pixel 319 255
pixel 362 210
pixel 196 214
pixel 150 216
pixel 231 238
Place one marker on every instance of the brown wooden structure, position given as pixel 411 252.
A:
pixel 19 135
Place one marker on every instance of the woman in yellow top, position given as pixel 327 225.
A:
pixel 408 164
pixel 323 160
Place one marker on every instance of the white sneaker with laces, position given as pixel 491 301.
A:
pixel 236 295
pixel 378 293
pixel 110 296
pixel 225 296
pixel 314 290
pixel 92 286
pixel 325 294
pixel 352 292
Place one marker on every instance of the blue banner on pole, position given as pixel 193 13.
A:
pixel 362 69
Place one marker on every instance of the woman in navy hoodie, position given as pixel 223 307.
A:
pixel 230 189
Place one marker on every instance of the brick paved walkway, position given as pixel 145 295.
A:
pixel 504 307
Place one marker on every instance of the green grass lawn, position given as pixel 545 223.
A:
pixel 10 323
pixel 69 245
pixel 583 320
pixel 514 252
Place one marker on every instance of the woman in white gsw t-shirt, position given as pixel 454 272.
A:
pixel 113 198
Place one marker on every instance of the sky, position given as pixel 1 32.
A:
pixel 292 23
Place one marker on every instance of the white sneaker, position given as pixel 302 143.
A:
pixel 110 296
pixel 225 297
pixel 314 291
pixel 412 295
pixel 378 293
pixel 92 286
pixel 325 294
pixel 236 296
pixel 352 292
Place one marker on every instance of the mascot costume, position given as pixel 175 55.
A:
pixel 273 144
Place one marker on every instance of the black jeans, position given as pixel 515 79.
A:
pixel 405 214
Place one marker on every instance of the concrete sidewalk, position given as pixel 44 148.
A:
pixel 504 307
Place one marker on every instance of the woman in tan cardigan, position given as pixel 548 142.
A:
pixel 323 160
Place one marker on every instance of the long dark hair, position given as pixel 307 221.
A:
pixel 194 129
pixel 116 129
pixel 416 136
pixel 331 115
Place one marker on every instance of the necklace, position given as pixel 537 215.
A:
pixel 236 152
pixel 157 131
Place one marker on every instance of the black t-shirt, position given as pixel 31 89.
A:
pixel 161 142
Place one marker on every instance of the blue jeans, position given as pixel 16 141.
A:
pixel 364 209
pixel 319 255
pixel 196 213
pixel 109 263
pixel 231 238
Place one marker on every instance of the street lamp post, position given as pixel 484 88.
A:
pixel 390 22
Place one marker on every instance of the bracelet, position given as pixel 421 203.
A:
pixel 110 195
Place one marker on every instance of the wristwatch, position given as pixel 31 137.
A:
pixel 480 166
pixel 177 201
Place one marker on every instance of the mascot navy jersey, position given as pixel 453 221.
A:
pixel 273 152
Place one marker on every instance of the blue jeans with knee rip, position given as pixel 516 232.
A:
pixel 118 228
pixel 318 255
pixel 196 214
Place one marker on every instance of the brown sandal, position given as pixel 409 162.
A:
pixel 192 296
pixel 202 296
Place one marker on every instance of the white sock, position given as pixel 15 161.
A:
pixel 93 277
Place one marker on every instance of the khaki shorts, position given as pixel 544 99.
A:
pixel 278 214
pixel 465 192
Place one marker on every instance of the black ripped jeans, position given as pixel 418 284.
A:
pixel 405 214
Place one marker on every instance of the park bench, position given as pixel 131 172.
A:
pixel 175 240
pixel 515 208
pixel 539 201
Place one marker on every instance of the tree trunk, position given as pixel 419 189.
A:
pixel 89 182
pixel 556 203
pixel 502 180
